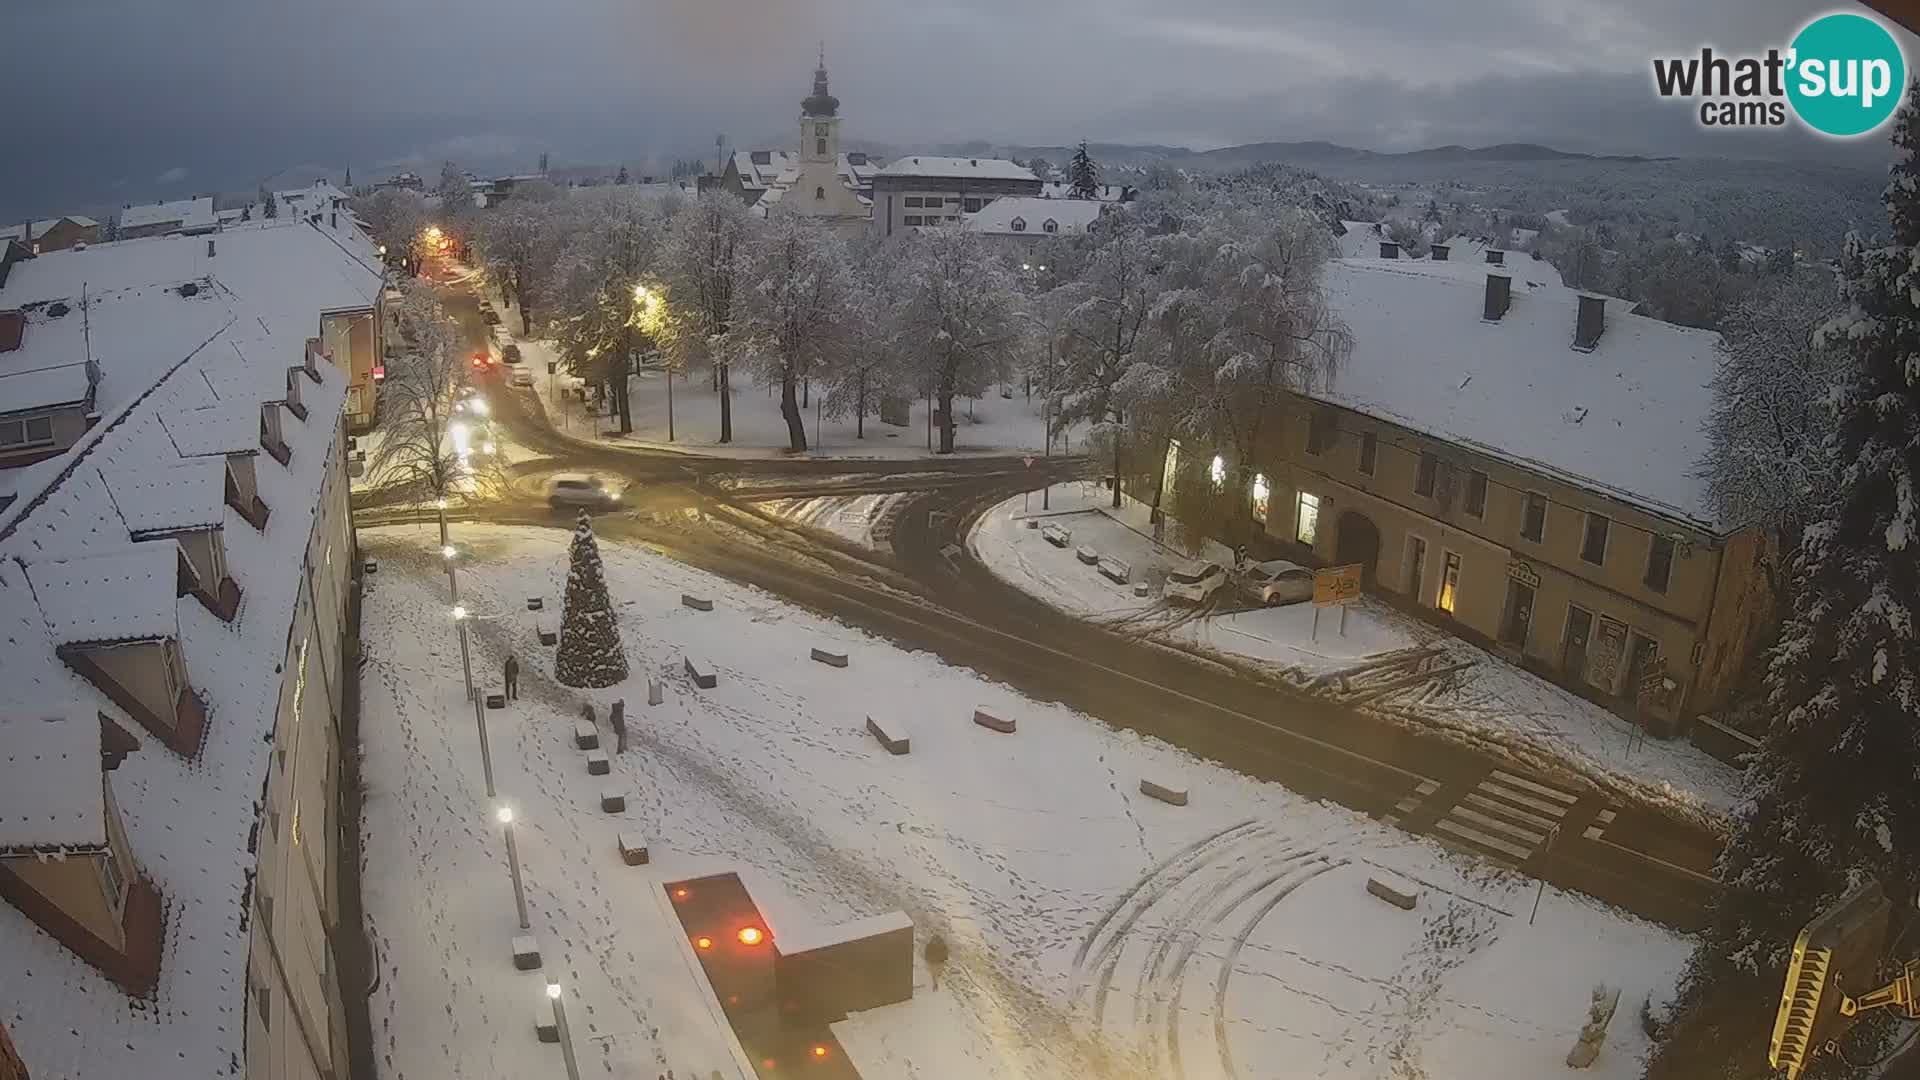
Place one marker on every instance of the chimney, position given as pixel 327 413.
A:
pixel 1389 249
pixel 1496 257
pixel 1590 323
pixel 1439 252
pixel 1499 292
pixel 209 247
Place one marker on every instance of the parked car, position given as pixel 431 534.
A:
pixel 521 377
pixel 581 489
pixel 1195 583
pixel 490 316
pixel 1278 582
pixel 510 353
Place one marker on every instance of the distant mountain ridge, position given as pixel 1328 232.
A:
pixel 1301 152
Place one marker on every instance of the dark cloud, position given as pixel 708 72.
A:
pixel 238 93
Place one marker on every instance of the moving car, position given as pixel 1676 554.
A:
pixel 483 361
pixel 1278 582
pixel 1195 583
pixel 521 377
pixel 581 489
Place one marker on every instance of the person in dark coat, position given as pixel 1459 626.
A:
pixel 513 678
pixel 618 718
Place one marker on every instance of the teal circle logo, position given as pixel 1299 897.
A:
pixel 1846 75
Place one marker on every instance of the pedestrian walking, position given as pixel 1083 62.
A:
pixel 618 718
pixel 936 957
pixel 513 678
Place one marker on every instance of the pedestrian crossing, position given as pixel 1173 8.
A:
pixel 1505 817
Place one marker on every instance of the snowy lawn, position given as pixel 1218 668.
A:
pixel 1473 694
pixel 1094 932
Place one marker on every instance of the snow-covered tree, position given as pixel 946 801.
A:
pixel 1107 311
pixel 590 654
pixel 954 318
pixel 867 371
pixel 1833 799
pixel 796 297
pixel 1083 176
pixel 516 243
pixel 396 218
pixel 1768 460
pixel 623 178
pixel 702 259
pixel 453 191
pixel 425 447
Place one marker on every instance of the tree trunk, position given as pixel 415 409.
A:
pixel 860 409
pixel 1154 516
pixel 806 393
pixel 946 411
pixel 726 402
pixel 1116 468
pixel 790 409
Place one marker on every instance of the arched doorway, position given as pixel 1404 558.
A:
pixel 1357 541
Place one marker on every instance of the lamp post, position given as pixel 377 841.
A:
pixel 479 706
pixel 560 1024
pixel 505 817
pixel 648 317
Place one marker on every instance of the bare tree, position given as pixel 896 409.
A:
pixel 795 308
pixel 954 317
pixel 425 447
pixel 703 259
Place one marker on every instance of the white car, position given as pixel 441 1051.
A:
pixel 521 377
pixel 583 490
pixel 1278 582
pixel 1195 583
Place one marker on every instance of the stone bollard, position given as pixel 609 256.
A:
pixel 697 603
pixel 526 953
pixel 656 693
pixel 993 723
pixel 1401 894
pixel 831 659
pixel 633 850
pixel 1594 1032
pixel 1170 796
pixel 701 673
pixel 890 735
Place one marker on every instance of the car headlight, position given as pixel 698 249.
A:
pixel 613 496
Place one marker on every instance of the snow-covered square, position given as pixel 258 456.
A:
pixel 1094 930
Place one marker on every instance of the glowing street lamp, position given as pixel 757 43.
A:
pixel 560 1023
pixel 447 552
pixel 505 816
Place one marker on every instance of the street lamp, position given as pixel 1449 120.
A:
pixel 479 705
pixel 560 1024
pixel 648 318
pixel 505 817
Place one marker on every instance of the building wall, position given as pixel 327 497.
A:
pixel 157 228
pixel 66 233
pixel 1494 554
pixel 890 194
pixel 73 884
pixel 69 423
pixel 296 1024
pixel 351 338
pixel 142 668
pixel 1742 623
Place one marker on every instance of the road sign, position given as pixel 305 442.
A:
pixel 380 371
pixel 1336 585
pixel 1029 460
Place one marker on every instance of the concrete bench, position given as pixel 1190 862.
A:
pixel 697 603
pixel 613 800
pixel 656 693
pixel 1032 523
pixel 1397 891
pixel 597 763
pixel 702 673
pixel 1057 535
pixel 1141 588
pixel 548 635
pixel 831 659
pixel 545 1024
pixel 633 850
pixel 1114 570
pixel 536 603
pixel 585 735
pixel 1087 555
pixel 370 567
pixel 992 723
pixel 1169 795
pixel 890 735
pixel 496 701
pixel 526 953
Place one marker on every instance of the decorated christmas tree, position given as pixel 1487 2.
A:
pixel 590 651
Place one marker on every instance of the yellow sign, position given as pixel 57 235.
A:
pixel 1336 585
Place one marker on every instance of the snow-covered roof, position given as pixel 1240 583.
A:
pixel 958 167
pixel 187 213
pixel 1070 215
pixel 129 335
pixel 52 798
pixel 187 821
pixel 1061 189
pixel 781 165
pixel 183 495
pixel 1361 239
pixel 19 232
pixel 122 595
pixel 1624 419
pixel 231 428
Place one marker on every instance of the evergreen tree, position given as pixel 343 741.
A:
pixel 1083 176
pixel 269 206
pixel 590 651
pixel 1833 798
pixel 624 177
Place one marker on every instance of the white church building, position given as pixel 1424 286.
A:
pixel 817 181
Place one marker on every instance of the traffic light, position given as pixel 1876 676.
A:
pixel 1834 962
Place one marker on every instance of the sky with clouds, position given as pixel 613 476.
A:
pixel 145 100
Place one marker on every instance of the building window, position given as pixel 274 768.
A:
pixel 1477 493
pixel 25 432
pixel 913 219
pixel 819 193
pixel 1533 519
pixel 1416 569
pixel 1519 617
pixel 1449 583
pixel 1369 453
pixel 1660 563
pixel 1423 480
pixel 913 201
pixel 820 147
pixel 1319 432
pixel 1019 224
pixel 113 883
pixel 820 130
pixel 1261 494
pixel 1050 225
pixel 972 206
pixel 263 1004
pixel 1594 547
pixel 1217 472
pixel 1306 518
